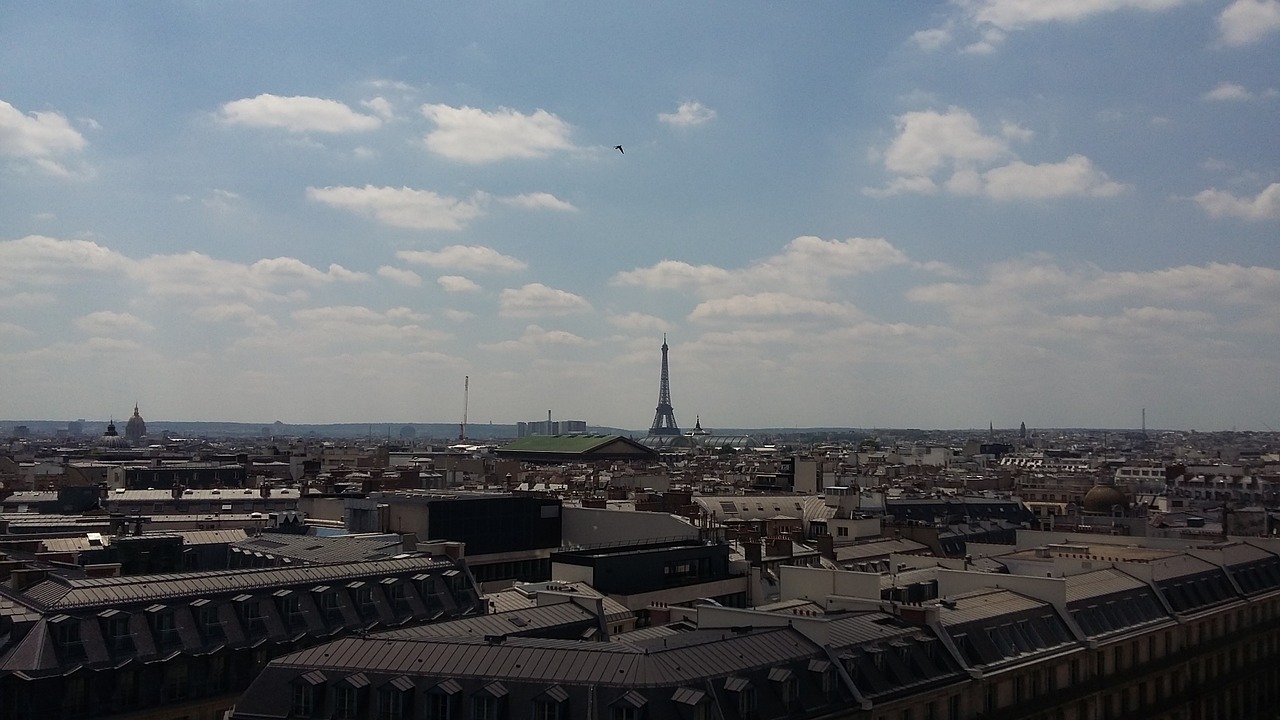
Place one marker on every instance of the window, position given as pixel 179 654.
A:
pixel 842 532
pixel 251 613
pixel 625 712
pixel 66 636
pixel 400 599
pixel 329 606
pixel 484 707
pixel 125 693
pixel 546 709
pixel 166 628
pixel 175 680
pixel 747 702
pixel 209 622
pixel 345 702
pixel 391 704
pixel 364 600
pixel 439 706
pixel 291 611
pixel 119 639
pixel 304 699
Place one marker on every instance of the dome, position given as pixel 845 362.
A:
pixel 136 428
pixel 111 438
pixel 1102 498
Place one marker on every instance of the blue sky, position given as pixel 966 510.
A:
pixel 857 214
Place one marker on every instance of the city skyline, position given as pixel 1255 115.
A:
pixel 916 215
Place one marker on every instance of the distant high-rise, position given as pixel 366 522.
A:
pixel 664 419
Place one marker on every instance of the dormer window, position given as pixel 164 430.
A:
pixel 394 699
pixel 290 608
pixel 439 700
pixel 115 630
pixel 745 693
pixel 487 704
pixel 788 685
pixel 66 638
pixel 551 704
pixel 164 625
pixel 629 707
pixel 251 615
pixel 308 690
pixel 347 696
pixel 207 620
pixel 696 700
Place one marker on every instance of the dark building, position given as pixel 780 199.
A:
pixel 185 645
pixel 187 475
pixel 639 568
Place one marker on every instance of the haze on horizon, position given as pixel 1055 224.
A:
pixel 841 214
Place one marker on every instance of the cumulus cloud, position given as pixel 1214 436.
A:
pixel 457 284
pixel 1228 91
pixel 400 275
pixel 1245 22
pixel 381 107
pixel 689 114
pixel 635 321
pixel 457 316
pixel 804 268
pixel 472 135
pixel 769 306
pixel 535 336
pixel 931 39
pixel 1019 14
pixel 327 326
pixel 472 258
pixel 298 114
pixel 1220 203
pixel 539 201
pixel 110 324
pixel 400 207
pixel 237 313
pixel 536 299
pixel 40 138
pixel 41 260
pixel 930 144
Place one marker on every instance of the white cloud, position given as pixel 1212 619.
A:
pixel 539 201
pixel 239 313
pixel 297 114
pixel 472 135
pixel 804 268
pixel 457 284
pixel 635 321
pixel 381 107
pixel 931 39
pixel 400 207
pixel 220 200
pixel 535 336
pixel 929 143
pixel 400 275
pixel 1228 91
pixel 39 138
pixel 344 325
pixel 928 140
pixel 1245 22
pixel 8 328
pixel 1020 14
pixel 689 114
pixel 457 316
pixel 1220 203
pixel 769 305
pixel 36 259
pixel 1074 176
pixel 205 279
pixel 472 258
pixel 106 323
pixel 26 299
pixel 536 299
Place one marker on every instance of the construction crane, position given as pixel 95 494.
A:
pixel 466 391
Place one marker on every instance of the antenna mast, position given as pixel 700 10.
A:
pixel 466 392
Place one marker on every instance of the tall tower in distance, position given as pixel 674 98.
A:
pixel 664 419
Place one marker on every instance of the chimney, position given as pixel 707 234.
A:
pixel 753 551
pixel 455 550
pixel 827 546
pixel 409 542
pixel 23 578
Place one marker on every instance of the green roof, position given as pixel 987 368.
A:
pixel 576 446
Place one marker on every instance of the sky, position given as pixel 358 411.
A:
pixel 924 214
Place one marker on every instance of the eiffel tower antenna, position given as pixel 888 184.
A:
pixel 664 419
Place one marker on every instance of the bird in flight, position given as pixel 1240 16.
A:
pixel 619 149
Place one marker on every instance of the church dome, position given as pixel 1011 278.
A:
pixel 136 427
pixel 111 438
pixel 1103 498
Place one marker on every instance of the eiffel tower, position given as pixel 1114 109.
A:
pixel 664 420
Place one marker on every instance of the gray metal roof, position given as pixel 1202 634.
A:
pixel 64 595
pixel 1099 583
